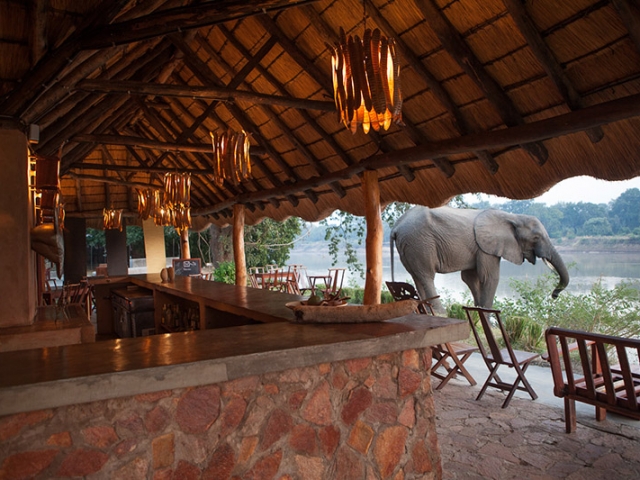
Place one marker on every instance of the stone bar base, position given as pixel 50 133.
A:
pixel 370 418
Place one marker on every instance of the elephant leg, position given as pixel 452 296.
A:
pixel 427 289
pixel 488 276
pixel 470 277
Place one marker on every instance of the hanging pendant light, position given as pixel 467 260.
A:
pixel 112 218
pixel 231 160
pixel 177 188
pixel 366 81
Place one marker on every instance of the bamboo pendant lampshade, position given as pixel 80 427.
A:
pixel 231 160
pixel 366 81
pixel 112 219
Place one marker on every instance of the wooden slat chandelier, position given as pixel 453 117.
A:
pixel 366 81
pixel 112 218
pixel 171 207
pixel 231 160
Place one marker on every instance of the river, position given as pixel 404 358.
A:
pixel 585 268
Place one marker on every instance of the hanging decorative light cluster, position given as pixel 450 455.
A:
pixel 169 207
pixel 231 161
pixel 146 203
pixel 366 81
pixel 177 199
pixel 112 218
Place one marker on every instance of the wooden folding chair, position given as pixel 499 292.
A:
pixel 457 352
pixel 337 277
pixel 494 356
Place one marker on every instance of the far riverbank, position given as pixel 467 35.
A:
pixel 598 244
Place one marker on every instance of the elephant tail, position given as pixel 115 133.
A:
pixel 392 239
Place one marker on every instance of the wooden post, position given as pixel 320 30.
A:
pixel 238 244
pixel 373 278
pixel 185 251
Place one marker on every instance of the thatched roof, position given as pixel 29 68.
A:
pixel 500 96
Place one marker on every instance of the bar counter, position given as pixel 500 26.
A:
pixel 273 399
pixel 52 377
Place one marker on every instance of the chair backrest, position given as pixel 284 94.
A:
pixel 337 277
pixel 402 291
pixel 485 336
pixel 301 277
pixel 405 291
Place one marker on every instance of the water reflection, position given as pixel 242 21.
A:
pixel 585 269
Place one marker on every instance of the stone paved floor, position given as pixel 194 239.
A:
pixel 480 440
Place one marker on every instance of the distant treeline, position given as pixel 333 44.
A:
pixel 566 219
pixel 620 217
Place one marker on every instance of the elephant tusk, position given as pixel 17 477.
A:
pixel 550 265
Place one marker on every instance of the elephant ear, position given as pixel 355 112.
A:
pixel 495 235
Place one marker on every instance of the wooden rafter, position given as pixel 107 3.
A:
pixel 189 91
pixel 206 76
pixel 180 19
pixel 56 60
pixel 467 60
pixel 274 118
pixel 629 11
pixel 321 78
pixel 436 88
pixel 148 143
pixel 568 123
pixel 545 56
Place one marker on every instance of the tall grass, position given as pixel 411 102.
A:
pixel 614 311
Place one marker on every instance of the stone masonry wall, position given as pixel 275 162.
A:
pixel 371 418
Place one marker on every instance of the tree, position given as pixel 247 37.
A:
pixel 576 214
pixel 135 241
pixel 626 209
pixel 596 227
pixel 269 242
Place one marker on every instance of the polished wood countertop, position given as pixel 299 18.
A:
pixel 262 305
pixel 56 376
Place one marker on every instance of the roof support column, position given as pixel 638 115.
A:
pixel 18 262
pixel 238 244
pixel 185 250
pixel 373 217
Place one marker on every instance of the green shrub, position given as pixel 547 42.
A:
pixel 614 311
pixel 225 273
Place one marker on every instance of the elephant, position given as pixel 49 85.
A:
pixel 446 239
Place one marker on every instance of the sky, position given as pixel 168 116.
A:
pixel 577 189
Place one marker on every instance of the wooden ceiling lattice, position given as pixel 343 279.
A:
pixel 500 96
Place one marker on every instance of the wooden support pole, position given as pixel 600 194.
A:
pixel 375 231
pixel 185 250
pixel 238 244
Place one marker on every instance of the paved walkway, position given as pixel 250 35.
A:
pixel 527 440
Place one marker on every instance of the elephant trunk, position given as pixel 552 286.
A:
pixel 554 261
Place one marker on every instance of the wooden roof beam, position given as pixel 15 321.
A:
pixel 149 144
pixel 202 71
pixel 436 88
pixel 181 19
pixel 321 78
pixel 162 128
pixel 273 117
pixel 557 126
pixel 39 78
pixel 213 93
pixel 545 56
pixel 456 47
pixel 630 14
pixel 74 121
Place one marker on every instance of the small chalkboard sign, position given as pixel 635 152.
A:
pixel 186 267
